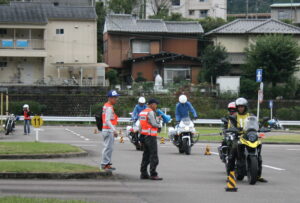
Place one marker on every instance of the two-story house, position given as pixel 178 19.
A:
pixel 43 41
pixel 148 47
pixel 239 34
pixel 286 11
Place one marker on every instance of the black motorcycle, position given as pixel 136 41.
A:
pixel 10 123
pixel 134 136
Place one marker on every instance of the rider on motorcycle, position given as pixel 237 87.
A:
pixel 139 108
pixel 241 116
pixel 183 107
pixel 232 111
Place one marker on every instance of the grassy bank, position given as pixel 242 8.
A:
pixel 44 167
pixel 36 148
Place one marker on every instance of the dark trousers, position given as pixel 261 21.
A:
pixel 150 156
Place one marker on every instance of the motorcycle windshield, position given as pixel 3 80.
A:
pixel 186 121
pixel 251 124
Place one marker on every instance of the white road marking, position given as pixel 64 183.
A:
pixel 74 133
pixel 215 153
pixel 293 149
pixel 267 166
pixel 275 168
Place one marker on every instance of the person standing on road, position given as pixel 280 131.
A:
pixel 149 128
pixel 26 114
pixel 109 130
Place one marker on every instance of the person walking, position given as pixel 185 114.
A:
pixel 149 128
pixel 109 130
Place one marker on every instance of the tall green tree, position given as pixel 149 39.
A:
pixel 214 63
pixel 277 55
pixel 101 13
pixel 122 6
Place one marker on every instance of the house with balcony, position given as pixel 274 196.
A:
pixel 48 43
pixel 239 34
pixel 149 47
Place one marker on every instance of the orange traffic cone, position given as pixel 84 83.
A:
pixel 207 150
pixel 231 183
pixel 121 139
pixel 162 140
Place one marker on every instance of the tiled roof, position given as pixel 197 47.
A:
pixel 243 26
pixel 40 13
pixel 128 23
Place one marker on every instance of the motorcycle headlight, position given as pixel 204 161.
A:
pixel 186 128
pixel 252 137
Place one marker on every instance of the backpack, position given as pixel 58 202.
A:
pixel 98 118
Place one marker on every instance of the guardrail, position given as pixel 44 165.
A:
pixel 126 120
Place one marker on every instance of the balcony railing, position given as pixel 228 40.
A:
pixel 6 43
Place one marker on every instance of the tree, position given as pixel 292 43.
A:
pixel 122 6
pixel 214 62
pixel 210 23
pixel 277 55
pixel 112 76
pixel 101 13
pixel 160 7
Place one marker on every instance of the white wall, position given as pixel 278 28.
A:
pixel 229 84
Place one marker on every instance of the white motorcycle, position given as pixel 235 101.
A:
pixel 182 135
pixel 134 136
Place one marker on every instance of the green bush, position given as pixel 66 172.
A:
pixel 288 113
pixel 249 88
pixel 35 107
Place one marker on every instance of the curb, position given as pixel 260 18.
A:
pixel 43 156
pixel 89 175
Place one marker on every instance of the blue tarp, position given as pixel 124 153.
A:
pixel 7 43
pixel 22 43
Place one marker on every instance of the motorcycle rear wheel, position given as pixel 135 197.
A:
pixel 252 170
pixel 8 129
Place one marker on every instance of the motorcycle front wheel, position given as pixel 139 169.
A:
pixel 186 147
pixel 252 170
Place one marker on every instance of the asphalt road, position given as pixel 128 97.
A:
pixel 193 178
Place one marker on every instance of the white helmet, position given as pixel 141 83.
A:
pixel 182 99
pixel 26 106
pixel 142 100
pixel 241 102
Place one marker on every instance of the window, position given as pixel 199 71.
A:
pixel 176 74
pixel 3 31
pixel 105 46
pixel 60 31
pixel 284 14
pixel 203 13
pixel 175 2
pixel 191 12
pixel 3 64
pixel 140 46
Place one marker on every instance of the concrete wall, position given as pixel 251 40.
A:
pixel 78 44
pixel 232 43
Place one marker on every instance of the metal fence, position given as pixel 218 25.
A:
pixel 127 120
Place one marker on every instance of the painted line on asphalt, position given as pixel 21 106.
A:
pixel 275 168
pixel 293 149
pixel 267 166
pixel 77 134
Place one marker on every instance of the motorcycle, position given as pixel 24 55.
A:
pixel 10 123
pixel 133 134
pixel 249 149
pixel 182 135
pixel 275 124
pixel 225 148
